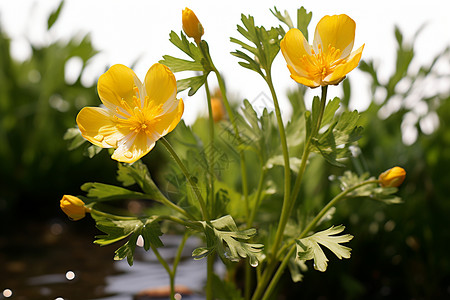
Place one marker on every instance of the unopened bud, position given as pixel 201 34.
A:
pixel 73 207
pixel 191 25
pixel 393 177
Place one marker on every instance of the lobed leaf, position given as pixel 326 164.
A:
pixel 309 248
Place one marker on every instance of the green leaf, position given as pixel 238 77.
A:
pixel 192 83
pixel 309 248
pixel 138 173
pixel 297 267
pixel 286 19
pixel 371 191
pixel 303 20
pixel 178 64
pixel 184 45
pixel 334 142
pixel 101 191
pixel 119 229
pixel 73 135
pixel 223 236
pixel 265 44
pixel 330 111
pixel 54 15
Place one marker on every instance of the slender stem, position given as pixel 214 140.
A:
pixel 209 276
pixel 163 262
pixel 175 264
pixel 237 135
pixel 248 281
pixel 163 200
pixel 307 229
pixel 278 274
pixel 258 198
pixel 211 148
pixel 179 252
pixel 291 202
pixel 285 213
pixel 188 177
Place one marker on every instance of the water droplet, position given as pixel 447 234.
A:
pixel 177 296
pixel 254 263
pixel 70 275
pixel 7 293
pixel 140 241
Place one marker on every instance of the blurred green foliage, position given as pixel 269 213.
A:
pixel 37 105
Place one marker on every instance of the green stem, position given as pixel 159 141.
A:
pixel 307 229
pixel 211 148
pixel 209 276
pixel 188 177
pixel 238 137
pixel 285 213
pixel 163 262
pixel 175 264
pixel 258 198
pixel 248 281
pixel 289 205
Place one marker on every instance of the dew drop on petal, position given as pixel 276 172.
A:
pixel 128 154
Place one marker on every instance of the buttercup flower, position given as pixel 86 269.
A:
pixel 73 207
pixel 393 177
pixel 134 115
pixel 329 59
pixel 191 25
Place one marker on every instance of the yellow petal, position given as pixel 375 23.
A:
pixel 342 70
pixel 118 84
pixel 170 120
pixel 160 84
pixel 337 31
pixel 302 80
pixel 133 147
pixel 97 126
pixel 293 47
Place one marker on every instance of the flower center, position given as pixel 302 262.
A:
pixel 139 118
pixel 320 65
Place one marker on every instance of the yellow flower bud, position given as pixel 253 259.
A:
pixel 393 177
pixel 218 111
pixel 191 25
pixel 73 207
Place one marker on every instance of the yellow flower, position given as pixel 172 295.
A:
pixel 329 59
pixel 393 177
pixel 73 207
pixel 191 25
pixel 134 115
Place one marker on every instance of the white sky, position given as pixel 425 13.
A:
pixel 125 31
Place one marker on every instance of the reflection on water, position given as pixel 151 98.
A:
pixel 54 261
